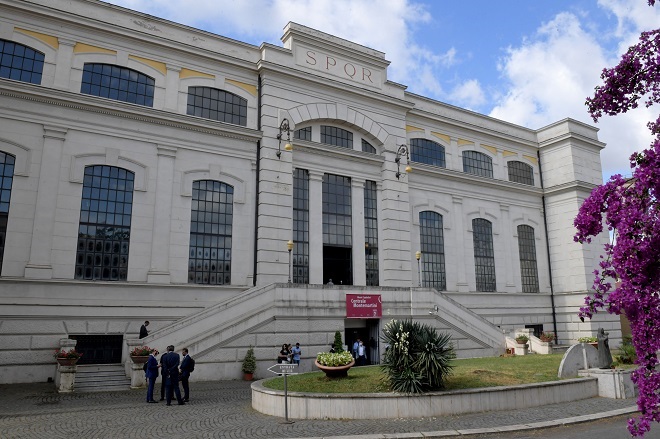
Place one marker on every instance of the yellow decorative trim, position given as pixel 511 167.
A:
pixel 252 89
pixel 462 142
pixel 160 66
pixel 187 73
pixel 86 48
pixel 531 159
pixel 48 39
pixel 490 148
pixel 441 136
pixel 506 153
pixel 410 128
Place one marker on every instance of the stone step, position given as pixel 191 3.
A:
pixel 101 378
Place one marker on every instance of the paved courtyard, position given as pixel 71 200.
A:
pixel 222 409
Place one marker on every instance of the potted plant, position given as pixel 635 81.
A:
pixel 547 337
pixel 140 354
pixel 593 341
pixel 522 339
pixel 334 364
pixel 67 358
pixel 249 364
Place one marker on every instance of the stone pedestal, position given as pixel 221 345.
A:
pixel 612 383
pixel 138 379
pixel 543 347
pixel 65 378
pixel 522 349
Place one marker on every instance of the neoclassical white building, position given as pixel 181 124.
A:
pixel 153 171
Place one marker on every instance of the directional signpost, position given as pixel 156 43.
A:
pixel 285 369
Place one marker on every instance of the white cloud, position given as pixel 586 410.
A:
pixel 550 76
pixel 468 94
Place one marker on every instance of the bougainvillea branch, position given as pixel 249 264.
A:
pixel 629 208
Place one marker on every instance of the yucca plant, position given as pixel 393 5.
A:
pixel 418 358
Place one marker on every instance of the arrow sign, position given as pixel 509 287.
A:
pixel 284 369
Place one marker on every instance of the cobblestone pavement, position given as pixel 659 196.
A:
pixel 222 409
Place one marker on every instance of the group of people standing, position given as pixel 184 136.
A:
pixel 289 354
pixel 173 371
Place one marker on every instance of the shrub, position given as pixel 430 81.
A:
pixel 249 362
pixel 334 359
pixel 627 354
pixel 587 340
pixel 418 358
pixel 337 344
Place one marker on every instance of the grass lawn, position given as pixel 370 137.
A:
pixel 467 374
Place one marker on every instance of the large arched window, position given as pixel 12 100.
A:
pixel 6 177
pixel 104 230
pixel 427 152
pixel 520 172
pixel 432 242
pixel 336 136
pixel 20 62
pixel 368 147
pixel 484 255
pixel 477 163
pixel 211 103
pixel 209 259
pixel 118 83
pixel 528 269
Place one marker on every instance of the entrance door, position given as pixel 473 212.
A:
pixel 99 349
pixel 337 265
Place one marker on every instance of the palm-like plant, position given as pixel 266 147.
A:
pixel 419 358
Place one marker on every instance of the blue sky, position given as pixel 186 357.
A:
pixel 530 62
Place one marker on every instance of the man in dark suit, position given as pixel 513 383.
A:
pixel 186 368
pixel 143 329
pixel 151 374
pixel 171 375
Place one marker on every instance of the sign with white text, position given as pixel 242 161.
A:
pixel 363 306
pixel 284 369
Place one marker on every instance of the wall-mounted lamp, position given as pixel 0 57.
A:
pixel 418 256
pixel 403 149
pixel 289 247
pixel 284 126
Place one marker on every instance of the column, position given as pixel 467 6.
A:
pixel 172 88
pixel 63 64
pixel 39 266
pixel 461 245
pixel 159 271
pixel 506 238
pixel 357 221
pixel 315 227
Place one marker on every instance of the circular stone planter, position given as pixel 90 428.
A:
pixel 67 361
pixel 139 359
pixel 335 372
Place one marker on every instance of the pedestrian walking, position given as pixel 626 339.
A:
pixel 143 329
pixel 295 353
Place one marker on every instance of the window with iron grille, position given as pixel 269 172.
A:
pixel 432 242
pixel 477 163
pixel 336 136
pixel 427 152
pixel 371 232
pixel 104 230
pixel 220 105
pixel 528 269
pixel 303 134
pixel 520 172
pixel 300 226
pixel 368 147
pixel 337 227
pixel 211 222
pixel 118 83
pixel 20 62
pixel 6 177
pixel 484 255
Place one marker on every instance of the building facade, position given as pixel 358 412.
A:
pixel 152 171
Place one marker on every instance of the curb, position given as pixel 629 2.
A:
pixel 491 430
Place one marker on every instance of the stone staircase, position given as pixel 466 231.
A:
pixel 101 378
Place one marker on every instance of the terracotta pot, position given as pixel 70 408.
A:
pixel 139 359
pixel 335 372
pixel 67 361
pixel 247 376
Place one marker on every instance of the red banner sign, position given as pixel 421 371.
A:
pixel 363 306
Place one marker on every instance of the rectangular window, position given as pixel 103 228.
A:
pixel 300 226
pixel 484 255
pixel 371 232
pixel 431 236
pixel 527 249
pixel 337 227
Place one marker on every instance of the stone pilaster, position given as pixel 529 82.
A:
pixel 357 221
pixel 461 245
pixel 159 271
pixel 315 227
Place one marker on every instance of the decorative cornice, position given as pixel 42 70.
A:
pixel 570 186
